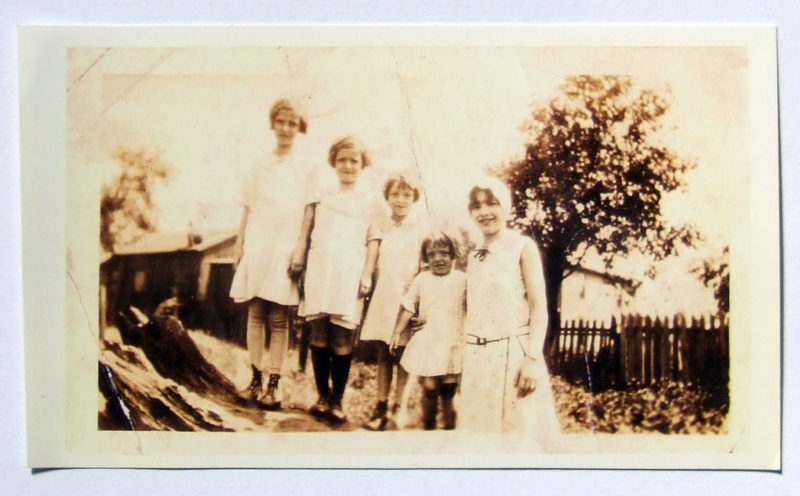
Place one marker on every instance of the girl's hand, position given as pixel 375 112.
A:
pixel 524 380
pixel 296 263
pixel 394 344
pixel 237 256
pixel 365 286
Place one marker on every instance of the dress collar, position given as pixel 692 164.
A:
pixel 496 245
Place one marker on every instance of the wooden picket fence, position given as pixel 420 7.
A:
pixel 636 351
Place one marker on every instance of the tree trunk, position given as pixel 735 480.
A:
pixel 553 276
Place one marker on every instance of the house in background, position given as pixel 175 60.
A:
pixel 592 294
pixel 197 267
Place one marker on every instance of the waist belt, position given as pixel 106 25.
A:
pixel 482 341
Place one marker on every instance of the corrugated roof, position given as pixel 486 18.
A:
pixel 167 242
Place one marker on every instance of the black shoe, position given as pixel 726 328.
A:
pixel 271 399
pixel 320 408
pixel 336 413
pixel 379 418
pixel 253 391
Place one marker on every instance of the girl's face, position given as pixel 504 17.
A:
pixel 487 213
pixel 439 259
pixel 348 164
pixel 286 124
pixel 400 199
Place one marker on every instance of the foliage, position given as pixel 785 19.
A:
pixel 593 176
pixel 127 210
pixel 715 274
pixel 669 408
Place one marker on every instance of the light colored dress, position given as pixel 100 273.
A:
pixel 497 337
pixel 437 348
pixel 398 263
pixel 344 222
pixel 274 192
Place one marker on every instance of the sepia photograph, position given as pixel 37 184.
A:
pixel 486 254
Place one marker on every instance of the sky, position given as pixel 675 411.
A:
pixel 447 113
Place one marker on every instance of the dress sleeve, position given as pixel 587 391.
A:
pixel 410 300
pixel 320 181
pixel 247 187
pixel 375 215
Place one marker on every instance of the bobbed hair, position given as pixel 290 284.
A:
pixel 288 104
pixel 349 143
pixel 495 189
pixel 401 180
pixel 438 238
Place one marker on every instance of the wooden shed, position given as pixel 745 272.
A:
pixel 195 267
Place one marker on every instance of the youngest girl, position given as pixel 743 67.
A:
pixel 434 353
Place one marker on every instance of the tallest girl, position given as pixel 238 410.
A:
pixel 273 198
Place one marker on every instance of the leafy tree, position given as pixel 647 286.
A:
pixel 127 210
pixel 715 274
pixel 593 177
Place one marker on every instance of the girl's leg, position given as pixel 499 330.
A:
pixel 384 372
pixel 255 345
pixel 342 341
pixel 321 363
pixel 447 391
pixel 302 354
pixel 278 320
pixel 377 421
pixel 430 401
pixel 400 386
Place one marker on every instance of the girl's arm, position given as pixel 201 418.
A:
pixel 402 322
pixel 298 261
pixel 369 267
pixel 238 246
pixel 533 279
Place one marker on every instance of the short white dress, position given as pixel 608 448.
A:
pixel 497 336
pixel 398 263
pixel 274 192
pixel 344 222
pixel 437 348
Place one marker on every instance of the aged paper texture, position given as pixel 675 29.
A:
pixel 641 160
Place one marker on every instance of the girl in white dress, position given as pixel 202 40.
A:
pixel 273 200
pixel 505 385
pixel 398 263
pixel 342 248
pixel 434 352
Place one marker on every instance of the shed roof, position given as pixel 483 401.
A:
pixel 168 242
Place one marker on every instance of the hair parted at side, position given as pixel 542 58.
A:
pixel 294 106
pixel 402 180
pixel 349 143
pixel 438 238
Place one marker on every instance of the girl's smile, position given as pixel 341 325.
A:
pixel 487 213
pixel 400 200
pixel 348 165
pixel 285 125
pixel 439 259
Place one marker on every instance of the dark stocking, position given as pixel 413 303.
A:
pixel 321 361
pixel 340 370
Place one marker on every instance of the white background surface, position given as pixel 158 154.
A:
pixel 17 479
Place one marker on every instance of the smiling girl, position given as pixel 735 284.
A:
pixel 434 352
pixel 506 386
pixel 264 245
pixel 398 263
pixel 339 237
